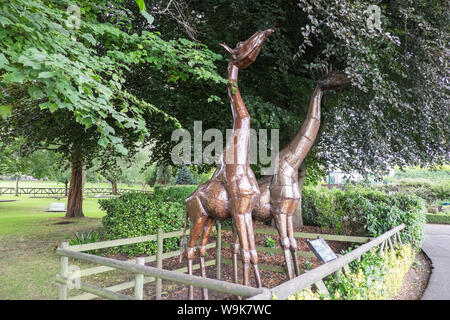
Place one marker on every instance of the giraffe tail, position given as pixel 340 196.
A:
pixel 183 239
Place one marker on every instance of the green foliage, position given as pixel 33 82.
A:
pixel 377 276
pixel 74 80
pixel 174 193
pixel 429 191
pixel 396 111
pixel 438 218
pixel 139 214
pixel 269 242
pixel 308 264
pixel 184 176
pixel 364 211
pixel 85 237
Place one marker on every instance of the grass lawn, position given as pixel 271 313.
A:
pixel 28 238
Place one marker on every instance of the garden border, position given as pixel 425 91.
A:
pixel 312 277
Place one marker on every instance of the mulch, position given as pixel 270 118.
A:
pixel 270 279
pixel 413 286
pixel 416 280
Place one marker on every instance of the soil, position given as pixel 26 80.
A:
pixel 270 279
pixel 413 286
pixel 416 280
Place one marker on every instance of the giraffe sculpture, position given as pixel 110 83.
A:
pixel 233 190
pixel 279 193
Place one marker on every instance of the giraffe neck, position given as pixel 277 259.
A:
pixel 297 150
pixel 241 118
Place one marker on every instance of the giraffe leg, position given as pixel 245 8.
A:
pixel 281 223
pixel 252 247
pixel 292 241
pixel 235 251
pixel 198 218
pixel 202 250
pixel 235 247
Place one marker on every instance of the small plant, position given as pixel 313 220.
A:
pixel 269 242
pixel 308 264
pixel 85 237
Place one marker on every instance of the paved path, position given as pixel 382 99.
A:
pixel 437 246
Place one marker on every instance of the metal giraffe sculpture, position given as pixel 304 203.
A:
pixel 279 192
pixel 233 190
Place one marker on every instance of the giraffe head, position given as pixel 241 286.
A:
pixel 246 52
pixel 334 81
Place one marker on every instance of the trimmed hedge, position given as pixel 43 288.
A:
pixel 136 214
pixel 438 218
pixel 430 192
pixel 364 211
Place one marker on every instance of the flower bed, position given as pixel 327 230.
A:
pixel 378 276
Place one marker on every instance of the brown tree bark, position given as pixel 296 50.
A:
pixel 75 198
pixel 114 187
pixel 17 186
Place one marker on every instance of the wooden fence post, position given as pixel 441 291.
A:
pixel 64 272
pixel 139 281
pixel 218 251
pixel 159 253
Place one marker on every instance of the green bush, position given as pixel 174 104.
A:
pixel 377 276
pixel 177 193
pixel 438 218
pixel 364 211
pixel 139 214
pixel 431 192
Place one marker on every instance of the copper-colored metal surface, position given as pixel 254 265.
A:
pixel 233 191
pixel 280 193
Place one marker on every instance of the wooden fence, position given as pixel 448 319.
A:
pixel 316 276
pixel 145 274
pixel 59 191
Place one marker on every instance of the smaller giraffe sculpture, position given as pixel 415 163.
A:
pixel 232 191
pixel 279 192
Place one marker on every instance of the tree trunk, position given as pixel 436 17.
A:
pixel 17 186
pixel 75 199
pixel 114 187
pixel 65 187
pixel 298 218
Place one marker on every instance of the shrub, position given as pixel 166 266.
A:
pixel 377 276
pixel 174 193
pixel 364 211
pixel 438 218
pixel 430 192
pixel 138 214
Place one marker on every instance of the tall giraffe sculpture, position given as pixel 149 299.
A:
pixel 232 191
pixel 280 193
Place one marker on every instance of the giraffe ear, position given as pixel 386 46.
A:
pixel 230 51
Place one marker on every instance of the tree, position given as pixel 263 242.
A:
pixel 396 111
pixel 13 162
pixel 184 176
pixel 65 89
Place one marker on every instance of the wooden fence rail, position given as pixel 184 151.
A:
pixel 140 278
pixel 316 275
pixel 60 191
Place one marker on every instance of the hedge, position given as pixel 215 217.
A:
pixel 430 192
pixel 364 211
pixel 438 218
pixel 136 214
